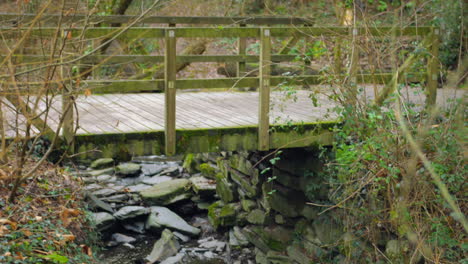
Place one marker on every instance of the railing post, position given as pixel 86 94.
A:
pixel 354 63
pixel 170 92
pixel 264 90
pixel 433 69
pixel 67 105
pixel 242 48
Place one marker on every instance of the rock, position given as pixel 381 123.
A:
pixel 118 198
pixel 248 205
pixel 279 219
pixel 155 180
pixel 275 238
pixel 209 255
pixel 171 171
pixel 310 212
pixel 164 248
pixel 203 186
pixel 95 173
pixel 121 238
pixel 256 217
pixel 107 191
pixel 137 227
pixel 128 245
pixel 243 182
pixel 208 170
pixel 167 192
pixel 212 244
pixel 225 189
pixel 277 258
pixel 236 238
pixel 138 188
pixel 285 201
pixel 152 169
pixel 174 259
pixel 260 257
pixel 98 203
pixel 181 237
pixel 102 163
pixel 240 236
pixel 130 212
pixel 162 217
pixel 106 178
pixel 190 164
pixel 327 230
pixel 128 169
pixel 222 215
pixel 102 220
pixel 297 253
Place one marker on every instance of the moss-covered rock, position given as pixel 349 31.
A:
pixel 275 257
pixel 248 205
pixel 128 169
pixel 275 237
pixel 102 163
pixel 208 170
pixel 256 217
pixel 189 164
pixel 222 215
pixel 225 189
pixel 244 183
pixel 167 192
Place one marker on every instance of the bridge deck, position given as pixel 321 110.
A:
pixel 220 120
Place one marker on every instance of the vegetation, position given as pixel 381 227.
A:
pixel 399 171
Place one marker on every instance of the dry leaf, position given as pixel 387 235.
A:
pixel 27 233
pixel 78 82
pixel 67 214
pixel 4 221
pixel 69 35
pixel 87 250
pixel 87 92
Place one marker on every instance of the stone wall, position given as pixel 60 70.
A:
pixel 263 200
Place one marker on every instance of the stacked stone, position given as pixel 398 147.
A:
pixel 265 205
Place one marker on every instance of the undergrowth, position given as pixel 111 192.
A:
pixel 47 222
pixel 386 192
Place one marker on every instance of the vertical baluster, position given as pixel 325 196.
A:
pixel 433 69
pixel 170 91
pixel 242 48
pixel 264 90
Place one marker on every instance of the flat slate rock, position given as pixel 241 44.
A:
pixel 156 180
pixel 166 192
pixel 127 212
pixel 102 220
pixel 102 163
pixel 162 217
pixel 128 169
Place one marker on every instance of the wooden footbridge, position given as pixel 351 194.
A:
pixel 133 116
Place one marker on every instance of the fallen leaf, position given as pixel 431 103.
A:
pixel 87 92
pixel 67 214
pixel 4 221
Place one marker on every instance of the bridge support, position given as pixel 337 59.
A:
pixel 264 90
pixel 170 92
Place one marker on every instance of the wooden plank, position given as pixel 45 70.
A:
pixel 123 59
pixel 219 32
pixel 264 90
pixel 252 20
pixel 170 92
pixel 433 69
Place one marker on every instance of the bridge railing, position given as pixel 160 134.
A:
pixel 295 29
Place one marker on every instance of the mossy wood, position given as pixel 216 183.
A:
pixel 248 138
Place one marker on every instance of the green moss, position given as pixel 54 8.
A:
pixel 221 215
pixel 207 170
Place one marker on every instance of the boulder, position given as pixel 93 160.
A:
pixel 102 163
pixel 244 183
pixel 128 169
pixel 167 192
pixel 102 220
pixel 164 248
pixel 162 217
pixel 248 205
pixel 203 186
pixel 127 212
pixel 274 237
